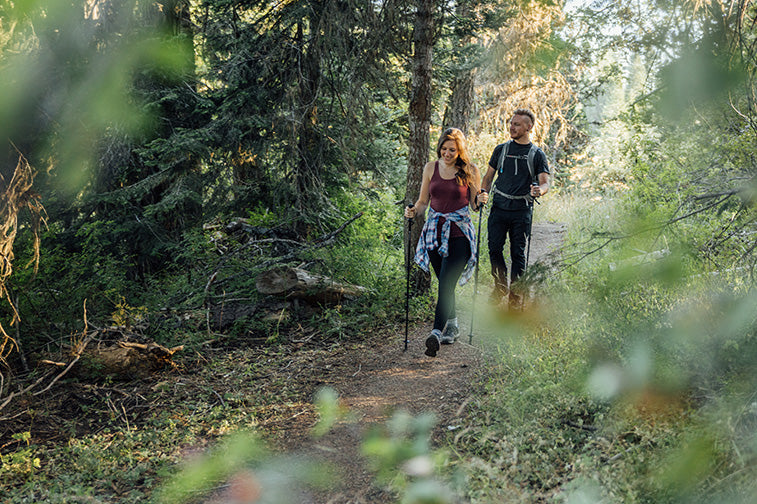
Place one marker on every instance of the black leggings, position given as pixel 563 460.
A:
pixel 448 270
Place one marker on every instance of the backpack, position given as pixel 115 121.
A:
pixel 529 158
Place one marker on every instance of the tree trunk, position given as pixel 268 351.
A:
pixel 459 108
pixel 178 18
pixel 420 121
pixel 309 158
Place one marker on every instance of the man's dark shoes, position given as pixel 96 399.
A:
pixel 498 295
pixel 495 297
pixel 515 301
pixel 432 344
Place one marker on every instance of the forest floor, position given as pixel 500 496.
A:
pixel 379 377
pixel 373 376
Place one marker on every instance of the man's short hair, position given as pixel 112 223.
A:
pixel 525 112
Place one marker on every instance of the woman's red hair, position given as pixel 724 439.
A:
pixel 467 174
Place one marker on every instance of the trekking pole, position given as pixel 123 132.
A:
pixel 407 278
pixel 528 248
pixel 475 274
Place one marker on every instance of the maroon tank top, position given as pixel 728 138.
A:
pixel 447 196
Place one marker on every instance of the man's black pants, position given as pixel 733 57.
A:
pixel 504 224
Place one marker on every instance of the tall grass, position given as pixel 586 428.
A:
pixel 627 380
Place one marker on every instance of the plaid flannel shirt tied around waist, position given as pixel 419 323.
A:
pixel 428 239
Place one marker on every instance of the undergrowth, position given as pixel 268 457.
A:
pixel 630 384
pixel 143 432
pixel 617 384
pixel 101 438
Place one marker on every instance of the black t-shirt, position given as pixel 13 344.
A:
pixel 515 178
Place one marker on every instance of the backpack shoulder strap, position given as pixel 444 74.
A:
pixel 531 155
pixel 503 155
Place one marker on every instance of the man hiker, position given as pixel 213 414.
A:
pixel 522 174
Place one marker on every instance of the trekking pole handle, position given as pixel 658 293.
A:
pixel 410 206
pixel 536 198
pixel 482 205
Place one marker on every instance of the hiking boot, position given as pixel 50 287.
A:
pixel 450 334
pixel 498 294
pixel 432 343
pixel 515 301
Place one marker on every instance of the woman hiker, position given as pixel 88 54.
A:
pixel 450 185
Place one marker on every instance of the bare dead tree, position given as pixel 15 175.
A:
pixel 17 195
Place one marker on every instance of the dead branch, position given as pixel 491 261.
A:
pixel 152 348
pixel 618 237
pixel 79 350
pixel 124 358
pixel 13 395
pixel 319 242
pixel 329 237
pixel 52 363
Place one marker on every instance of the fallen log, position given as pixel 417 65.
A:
pixel 297 283
pixel 127 359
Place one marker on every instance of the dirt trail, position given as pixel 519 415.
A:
pixel 385 380
pixel 375 381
